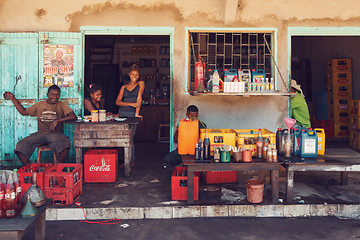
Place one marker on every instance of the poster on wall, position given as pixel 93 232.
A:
pixel 58 65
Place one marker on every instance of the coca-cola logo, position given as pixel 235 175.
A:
pixel 103 168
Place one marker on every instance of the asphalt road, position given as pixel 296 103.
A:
pixel 207 228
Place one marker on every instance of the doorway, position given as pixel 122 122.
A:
pixel 107 63
pixel 310 52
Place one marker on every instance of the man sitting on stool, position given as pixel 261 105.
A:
pixel 51 114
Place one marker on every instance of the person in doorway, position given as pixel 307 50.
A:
pixel 51 114
pixel 129 99
pixel 173 158
pixel 299 107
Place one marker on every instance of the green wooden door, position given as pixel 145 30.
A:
pixel 18 74
pixel 21 72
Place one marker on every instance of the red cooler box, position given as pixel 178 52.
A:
pixel 101 165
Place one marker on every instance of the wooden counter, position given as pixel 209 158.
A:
pixel 153 115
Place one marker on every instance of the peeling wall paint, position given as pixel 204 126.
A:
pixel 217 112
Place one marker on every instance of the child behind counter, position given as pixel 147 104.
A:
pixel 173 158
pixel 94 102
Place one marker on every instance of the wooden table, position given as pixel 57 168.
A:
pixel 111 134
pixel 256 165
pixel 15 228
pixel 319 164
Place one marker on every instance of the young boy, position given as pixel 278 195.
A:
pixel 173 158
pixel 51 113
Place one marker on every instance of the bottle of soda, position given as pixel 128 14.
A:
pixel 3 180
pixel 18 190
pixel 259 145
pixel 10 198
pixel 2 199
pixel 206 146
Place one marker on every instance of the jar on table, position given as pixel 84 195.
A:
pixel 94 115
pixel 102 115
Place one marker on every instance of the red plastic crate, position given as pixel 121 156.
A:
pixel 26 175
pixel 64 196
pixel 63 175
pixel 179 185
pixel 101 165
pixel 212 177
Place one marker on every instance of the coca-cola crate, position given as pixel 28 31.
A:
pixel 25 175
pixel 212 177
pixel 179 184
pixel 63 175
pixel 101 165
pixel 64 196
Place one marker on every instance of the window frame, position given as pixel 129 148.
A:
pixel 188 30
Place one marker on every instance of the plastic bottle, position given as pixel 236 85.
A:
pixel 207 146
pixel 215 82
pixel 209 82
pixel 272 85
pixel 18 190
pixel 10 198
pixel 2 199
pixel 259 145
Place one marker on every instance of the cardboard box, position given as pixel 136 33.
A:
pixel 340 91
pixel 354 108
pixel 340 78
pixel 339 117
pixel 335 65
pixel 101 165
pixel 339 104
pixel 341 130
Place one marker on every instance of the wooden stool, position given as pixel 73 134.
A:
pixel 160 138
pixel 45 148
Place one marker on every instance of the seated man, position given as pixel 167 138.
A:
pixel 173 158
pixel 50 113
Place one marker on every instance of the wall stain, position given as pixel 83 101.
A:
pixel 96 9
pixel 39 13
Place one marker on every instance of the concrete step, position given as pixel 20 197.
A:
pixel 168 212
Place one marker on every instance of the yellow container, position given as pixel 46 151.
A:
pixel 244 136
pixel 218 138
pixel 321 140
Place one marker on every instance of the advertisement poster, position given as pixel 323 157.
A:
pixel 58 64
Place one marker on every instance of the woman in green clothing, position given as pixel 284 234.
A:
pixel 299 108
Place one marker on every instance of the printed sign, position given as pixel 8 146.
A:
pixel 58 65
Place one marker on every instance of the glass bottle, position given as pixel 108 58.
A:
pixel 18 190
pixel 10 198
pixel 206 146
pixel 2 199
